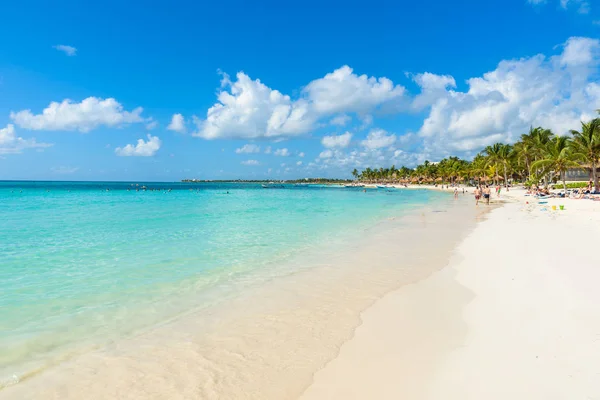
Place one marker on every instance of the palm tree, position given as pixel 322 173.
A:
pixel 500 154
pixel 540 137
pixel 586 145
pixel 525 150
pixel 355 173
pixel 558 158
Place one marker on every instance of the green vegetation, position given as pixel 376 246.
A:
pixel 572 185
pixel 539 157
pixel 323 181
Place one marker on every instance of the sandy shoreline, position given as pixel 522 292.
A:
pixel 513 316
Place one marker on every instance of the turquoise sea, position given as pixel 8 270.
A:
pixel 83 263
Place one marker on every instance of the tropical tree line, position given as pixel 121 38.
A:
pixel 539 157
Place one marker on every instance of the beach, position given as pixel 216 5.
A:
pixel 447 301
pixel 513 315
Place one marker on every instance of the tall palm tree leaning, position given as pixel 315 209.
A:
pixel 500 154
pixel 586 146
pixel 558 158
pixel 525 150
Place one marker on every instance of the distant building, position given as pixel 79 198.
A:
pixel 578 174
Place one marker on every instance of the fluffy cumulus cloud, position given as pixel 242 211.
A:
pixel 247 149
pixel 340 120
pixel 68 50
pixel 333 141
pixel 177 123
pixel 83 117
pixel 377 139
pixel 342 91
pixel 282 152
pixel 248 108
pixel 143 148
pixel 429 81
pixel 555 92
pixel 10 143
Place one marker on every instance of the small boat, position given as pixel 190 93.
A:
pixel 381 187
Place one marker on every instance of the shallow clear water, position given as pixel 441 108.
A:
pixel 80 264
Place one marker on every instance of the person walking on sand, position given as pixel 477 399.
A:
pixel 477 193
pixel 486 194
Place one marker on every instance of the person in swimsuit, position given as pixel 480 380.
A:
pixel 456 193
pixel 477 195
pixel 486 194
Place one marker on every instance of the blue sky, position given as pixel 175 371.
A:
pixel 168 90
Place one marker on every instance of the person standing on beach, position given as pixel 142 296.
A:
pixel 477 195
pixel 486 194
pixel 456 193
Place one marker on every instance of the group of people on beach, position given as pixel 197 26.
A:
pixel 486 192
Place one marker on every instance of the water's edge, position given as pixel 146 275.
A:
pixel 302 301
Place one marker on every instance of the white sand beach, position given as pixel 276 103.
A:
pixel 514 315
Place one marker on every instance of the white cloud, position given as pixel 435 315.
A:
pixel 282 165
pixel 342 91
pixel 248 149
pixel 177 123
pixel 141 149
pixel 151 124
pixel 68 50
pixel 337 141
pixel 377 139
pixel 299 163
pixel 340 120
pixel 282 152
pixel 10 143
pixel 268 150
pixel 250 162
pixel 85 116
pixel 580 51
pixel 326 154
pixel 429 81
pixel 251 109
pixel 554 92
pixel 301 154
pixel 248 108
